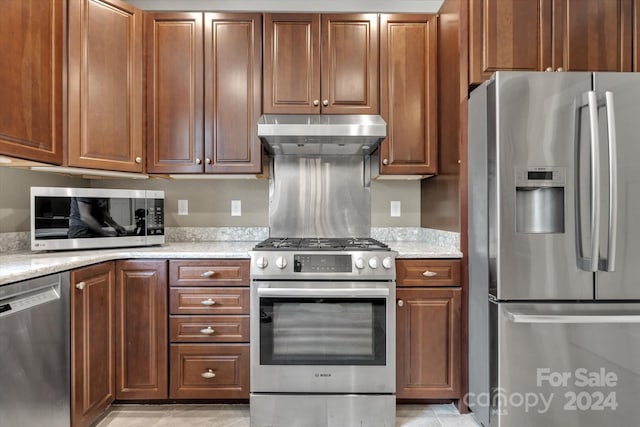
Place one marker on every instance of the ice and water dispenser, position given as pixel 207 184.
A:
pixel 540 199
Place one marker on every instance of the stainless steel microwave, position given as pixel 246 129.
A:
pixel 83 218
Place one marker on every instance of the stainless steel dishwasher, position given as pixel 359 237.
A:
pixel 35 347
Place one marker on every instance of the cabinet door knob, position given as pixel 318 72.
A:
pixel 138 160
pixel 400 303
pixel 208 273
pixel 81 285
pixel 548 69
pixel 385 161
pixel 325 102
pixel 429 273
pixel 560 69
pixel 198 161
pixel 208 302
pixel 207 161
pixel 208 374
pixel 316 102
pixel 208 330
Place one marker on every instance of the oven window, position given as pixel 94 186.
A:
pixel 322 331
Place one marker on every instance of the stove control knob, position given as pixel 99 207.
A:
pixel 373 262
pixel 359 263
pixel 387 262
pixel 262 262
pixel 281 262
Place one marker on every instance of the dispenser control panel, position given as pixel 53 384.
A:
pixel 541 176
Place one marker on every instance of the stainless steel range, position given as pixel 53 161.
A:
pixel 322 333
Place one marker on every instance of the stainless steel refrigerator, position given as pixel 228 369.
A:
pixel 554 250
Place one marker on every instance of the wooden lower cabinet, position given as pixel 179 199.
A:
pixel 92 342
pixel 428 343
pixel 141 330
pixel 206 371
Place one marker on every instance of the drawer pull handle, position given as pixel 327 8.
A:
pixel 208 330
pixel 429 273
pixel 208 273
pixel 208 302
pixel 208 374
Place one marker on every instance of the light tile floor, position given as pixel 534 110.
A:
pixel 238 416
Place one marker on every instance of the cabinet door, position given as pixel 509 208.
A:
pixel 592 35
pixel 105 85
pixel 636 35
pixel 408 93
pixel 233 88
pixel 31 67
pixel 428 343
pixel 141 330
pixel 349 77
pixel 173 53
pixel 92 342
pixel 508 35
pixel 291 64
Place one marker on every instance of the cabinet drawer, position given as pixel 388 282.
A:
pixel 209 300
pixel 209 272
pixel 427 272
pixel 209 328
pixel 209 371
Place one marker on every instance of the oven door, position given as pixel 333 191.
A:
pixel 323 337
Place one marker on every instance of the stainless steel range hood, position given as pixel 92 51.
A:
pixel 321 134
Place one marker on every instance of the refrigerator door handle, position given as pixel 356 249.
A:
pixel 523 317
pixel 592 102
pixel 613 182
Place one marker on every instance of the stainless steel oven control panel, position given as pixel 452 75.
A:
pixel 323 264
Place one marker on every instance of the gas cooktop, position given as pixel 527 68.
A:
pixel 321 243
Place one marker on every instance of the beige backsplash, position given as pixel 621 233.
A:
pixel 209 200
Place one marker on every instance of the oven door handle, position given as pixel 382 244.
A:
pixel 338 293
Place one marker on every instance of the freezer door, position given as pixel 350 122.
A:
pixel 571 365
pixel 620 245
pixel 536 134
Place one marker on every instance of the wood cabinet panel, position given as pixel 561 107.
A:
pixel 202 371
pixel 509 35
pixel 209 272
pixel 592 35
pixel 174 84
pixel 209 328
pixel 349 64
pixel 92 342
pixel 209 300
pixel 233 90
pixel 32 40
pixel 408 91
pixel 291 63
pixel 428 272
pixel 636 36
pixel 428 343
pixel 141 324
pixel 105 85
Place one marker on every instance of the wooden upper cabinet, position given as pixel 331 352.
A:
pixel 509 35
pixel 92 342
pixel 31 71
pixel 291 63
pixel 553 35
pixel 636 36
pixel 141 330
pixel 408 92
pixel 105 85
pixel 174 92
pixel 233 90
pixel 321 64
pixel 592 35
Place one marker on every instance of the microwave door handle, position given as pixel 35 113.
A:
pixel 336 293
pixel 613 182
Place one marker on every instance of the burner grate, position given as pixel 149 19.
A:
pixel 321 243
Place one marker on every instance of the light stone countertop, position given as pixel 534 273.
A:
pixel 26 265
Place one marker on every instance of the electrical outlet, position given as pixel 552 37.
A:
pixel 236 208
pixel 395 208
pixel 183 207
